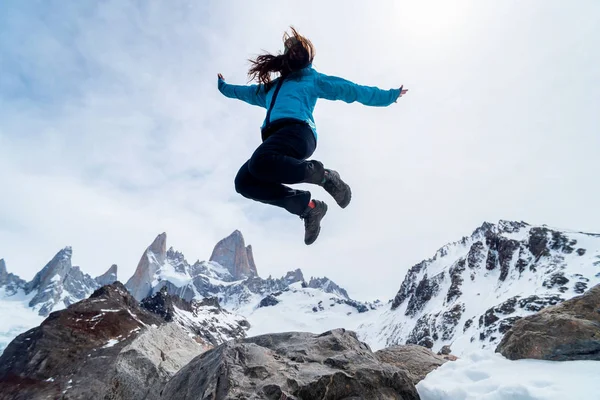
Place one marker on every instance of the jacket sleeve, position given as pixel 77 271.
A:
pixel 252 94
pixel 334 88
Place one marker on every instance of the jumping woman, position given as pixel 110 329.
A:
pixel 289 135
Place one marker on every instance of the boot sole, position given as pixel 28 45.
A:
pixel 319 231
pixel 343 203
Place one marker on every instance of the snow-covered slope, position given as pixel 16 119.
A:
pixel 302 309
pixel 486 375
pixel 472 291
pixel 204 320
pixel 17 316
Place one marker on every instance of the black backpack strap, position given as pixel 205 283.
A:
pixel 279 83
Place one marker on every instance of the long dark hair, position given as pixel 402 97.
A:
pixel 299 53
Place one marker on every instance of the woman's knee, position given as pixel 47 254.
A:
pixel 241 180
pixel 258 164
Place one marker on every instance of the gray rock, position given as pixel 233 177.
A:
pixel 417 360
pixel 268 301
pixel 205 320
pixel 10 282
pixel 333 365
pixel 58 283
pixel 294 276
pixel 77 286
pixel 108 277
pixel 568 331
pixel 328 286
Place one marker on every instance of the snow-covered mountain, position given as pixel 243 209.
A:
pixel 58 285
pixel 466 296
pixel 232 278
pixel 225 292
pixel 473 290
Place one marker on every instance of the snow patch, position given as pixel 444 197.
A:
pixel 17 316
pixel 110 343
pixel 486 375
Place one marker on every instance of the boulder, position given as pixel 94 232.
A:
pixel 417 360
pixel 294 365
pixel 568 331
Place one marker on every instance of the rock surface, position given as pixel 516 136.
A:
pixel 108 277
pixel 10 282
pixel 233 254
pixel 417 360
pixel 59 284
pixel 568 331
pixel 140 284
pixel 205 320
pixel 102 347
pixel 333 365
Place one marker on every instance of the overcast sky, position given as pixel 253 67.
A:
pixel 112 129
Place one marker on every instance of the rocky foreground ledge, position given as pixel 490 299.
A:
pixel 110 346
pixel 296 365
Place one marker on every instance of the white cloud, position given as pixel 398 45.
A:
pixel 112 130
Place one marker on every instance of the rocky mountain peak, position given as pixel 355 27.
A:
pixel 159 247
pixel 473 290
pixel 54 271
pixel 49 282
pixel 328 286
pixel 140 284
pixel 233 254
pixel 10 282
pixel 294 276
pixel 108 277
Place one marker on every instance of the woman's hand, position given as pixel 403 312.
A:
pixel 221 76
pixel 402 92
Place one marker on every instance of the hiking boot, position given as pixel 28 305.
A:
pixel 312 221
pixel 337 188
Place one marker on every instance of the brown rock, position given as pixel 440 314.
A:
pixel 417 360
pixel 568 331
pixel 74 349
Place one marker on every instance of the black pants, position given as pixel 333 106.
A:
pixel 280 159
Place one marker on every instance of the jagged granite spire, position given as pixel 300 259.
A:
pixel 140 284
pixel 59 284
pixel 48 282
pixel 233 254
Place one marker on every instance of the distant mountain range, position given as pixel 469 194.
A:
pixel 466 296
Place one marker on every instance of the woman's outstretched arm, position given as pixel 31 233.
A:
pixel 251 94
pixel 335 88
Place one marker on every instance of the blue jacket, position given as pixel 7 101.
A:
pixel 299 93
